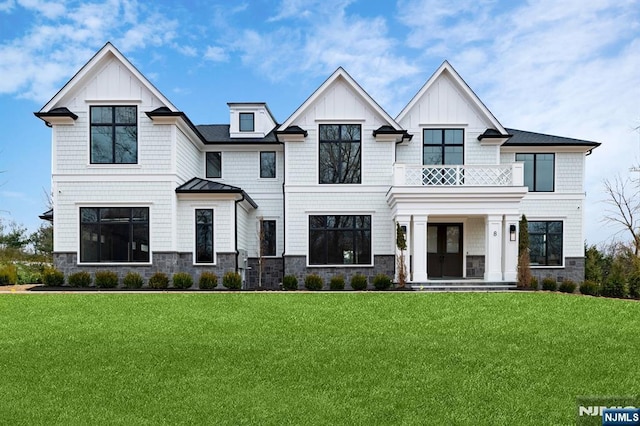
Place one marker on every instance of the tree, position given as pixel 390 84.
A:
pixel 524 262
pixel 401 243
pixel 593 264
pixel 42 239
pixel 16 237
pixel 623 209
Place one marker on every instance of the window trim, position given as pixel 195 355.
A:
pixel 253 122
pixel 275 164
pixel 443 145
pixel 340 213
pixel 340 123
pixel 112 205
pixel 562 255
pixel 195 238
pixel 205 165
pixel 137 126
pixel 535 167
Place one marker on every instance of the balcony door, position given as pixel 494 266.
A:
pixel 444 250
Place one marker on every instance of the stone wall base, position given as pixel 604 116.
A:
pixel 573 270
pixel 271 273
pixel 475 266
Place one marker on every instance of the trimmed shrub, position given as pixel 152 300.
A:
pixel 382 282
pixel 589 287
pixel 232 280
pixel 133 280
pixel 634 285
pixel 359 282
pixel 29 273
pixel 208 281
pixel 313 282
pixel 534 283
pixel 51 277
pixel 567 286
pixel 8 275
pixel 290 282
pixel 549 284
pixel 159 280
pixel 106 279
pixel 337 283
pixel 614 287
pixel 182 280
pixel 79 279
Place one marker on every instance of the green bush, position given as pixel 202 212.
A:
pixel 106 279
pixel 232 280
pixel 337 283
pixel 634 285
pixel 567 286
pixel 290 282
pixel 313 282
pixel 29 273
pixel 549 284
pixel 382 282
pixel 359 282
pixel 159 280
pixel 79 279
pixel 614 286
pixel 8 275
pixel 208 280
pixel 133 280
pixel 534 283
pixel 589 287
pixel 182 280
pixel 51 277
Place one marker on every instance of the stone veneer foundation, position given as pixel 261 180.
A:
pixel 573 270
pixel 271 274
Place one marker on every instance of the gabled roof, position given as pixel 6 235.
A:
pixel 219 134
pixel 446 67
pixel 86 70
pixel 339 73
pixel 524 138
pixel 203 186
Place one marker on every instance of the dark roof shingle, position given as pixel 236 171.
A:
pixel 524 138
pixel 219 134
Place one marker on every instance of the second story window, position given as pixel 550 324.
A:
pixel 247 122
pixel 443 146
pixel 538 171
pixel 114 134
pixel 339 158
pixel 214 164
pixel 267 164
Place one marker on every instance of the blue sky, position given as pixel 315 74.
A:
pixel 570 68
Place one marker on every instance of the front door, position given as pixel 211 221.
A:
pixel 444 250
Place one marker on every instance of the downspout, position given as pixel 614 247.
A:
pixel 284 208
pixel 236 228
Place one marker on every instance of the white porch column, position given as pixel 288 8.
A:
pixel 493 248
pixel 405 222
pixel 510 254
pixel 420 248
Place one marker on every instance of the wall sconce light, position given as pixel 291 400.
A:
pixel 512 232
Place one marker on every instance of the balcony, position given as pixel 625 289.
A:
pixel 502 175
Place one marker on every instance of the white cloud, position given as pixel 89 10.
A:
pixel 7 5
pixel 216 54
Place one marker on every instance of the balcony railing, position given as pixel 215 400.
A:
pixel 459 175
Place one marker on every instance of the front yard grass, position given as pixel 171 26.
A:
pixel 502 358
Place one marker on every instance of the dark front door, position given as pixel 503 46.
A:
pixel 444 250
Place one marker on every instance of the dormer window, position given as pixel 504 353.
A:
pixel 247 123
pixel 114 134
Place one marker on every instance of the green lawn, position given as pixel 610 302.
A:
pixel 303 358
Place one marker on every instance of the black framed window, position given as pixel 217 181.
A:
pixel 114 234
pixel 247 122
pixel 268 237
pixel 539 170
pixel 214 164
pixel 340 240
pixel 114 134
pixel 340 153
pixel 545 243
pixel 443 146
pixel 204 236
pixel 267 164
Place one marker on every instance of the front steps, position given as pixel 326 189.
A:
pixel 462 285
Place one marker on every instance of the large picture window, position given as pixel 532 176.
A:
pixel 340 240
pixel 114 135
pixel 114 234
pixel 443 146
pixel 204 236
pixel 538 171
pixel 340 153
pixel 545 243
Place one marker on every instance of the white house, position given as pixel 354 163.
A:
pixel 138 186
